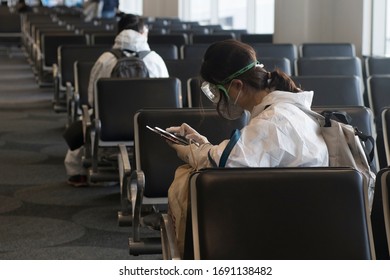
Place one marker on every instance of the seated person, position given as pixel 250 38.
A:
pixel 279 133
pixel 132 36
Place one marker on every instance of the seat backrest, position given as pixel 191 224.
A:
pixel 385 124
pixel 210 38
pixel 118 99
pixel 69 54
pixel 82 71
pixel 288 51
pixel 280 214
pixel 386 206
pixel 102 38
pixel 45 27
pixel 271 63
pixel 376 65
pixel 257 38
pixel 193 51
pixel 378 88
pixel 183 69
pixel 153 155
pixel 333 66
pixel 380 215
pixel 10 23
pixel 166 51
pixel 176 39
pixel 51 42
pixel 237 32
pixel 314 66
pixel 327 50
pixel 195 96
pixel 332 90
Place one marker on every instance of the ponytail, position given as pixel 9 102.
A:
pixel 278 80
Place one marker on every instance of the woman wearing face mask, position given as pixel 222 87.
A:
pixel 279 133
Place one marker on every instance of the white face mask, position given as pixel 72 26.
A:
pixel 227 109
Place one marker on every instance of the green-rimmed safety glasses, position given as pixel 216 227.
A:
pixel 213 92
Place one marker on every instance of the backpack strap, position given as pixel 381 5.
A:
pixel 364 139
pixel 118 53
pixel 226 152
pixel 340 116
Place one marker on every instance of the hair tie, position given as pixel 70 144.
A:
pixel 269 78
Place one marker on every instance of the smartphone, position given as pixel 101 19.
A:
pixel 169 136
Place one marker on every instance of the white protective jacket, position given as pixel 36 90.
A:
pixel 130 40
pixel 279 134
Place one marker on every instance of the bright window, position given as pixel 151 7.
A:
pixel 131 7
pixel 232 14
pixel 257 16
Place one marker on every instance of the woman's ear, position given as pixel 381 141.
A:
pixel 237 84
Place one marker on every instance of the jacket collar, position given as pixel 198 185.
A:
pixel 303 99
pixel 131 40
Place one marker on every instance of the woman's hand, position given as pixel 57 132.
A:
pixel 189 133
pixel 182 151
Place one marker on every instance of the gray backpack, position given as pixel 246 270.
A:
pixel 347 146
pixel 129 64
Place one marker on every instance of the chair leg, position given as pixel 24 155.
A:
pixel 146 246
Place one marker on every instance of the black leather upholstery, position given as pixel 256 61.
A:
pixel 156 158
pixel 183 70
pixel 380 218
pixel 69 54
pixel 119 98
pixel 332 90
pixel 280 213
pixel 327 50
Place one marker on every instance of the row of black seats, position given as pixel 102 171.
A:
pixel 149 181
pixel 145 178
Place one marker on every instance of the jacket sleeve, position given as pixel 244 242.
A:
pixel 101 69
pixel 96 69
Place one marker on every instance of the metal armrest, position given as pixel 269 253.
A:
pixel 136 191
pixel 56 81
pixel 138 245
pixel 56 71
pixel 59 100
pixel 70 103
pixel 87 123
pixel 95 136
pixel 170 249
pixel 88 134
pixel 124 166
pixel 70 94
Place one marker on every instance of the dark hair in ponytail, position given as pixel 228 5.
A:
pixel 260 78
pixel 278 80
pixel 224 58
